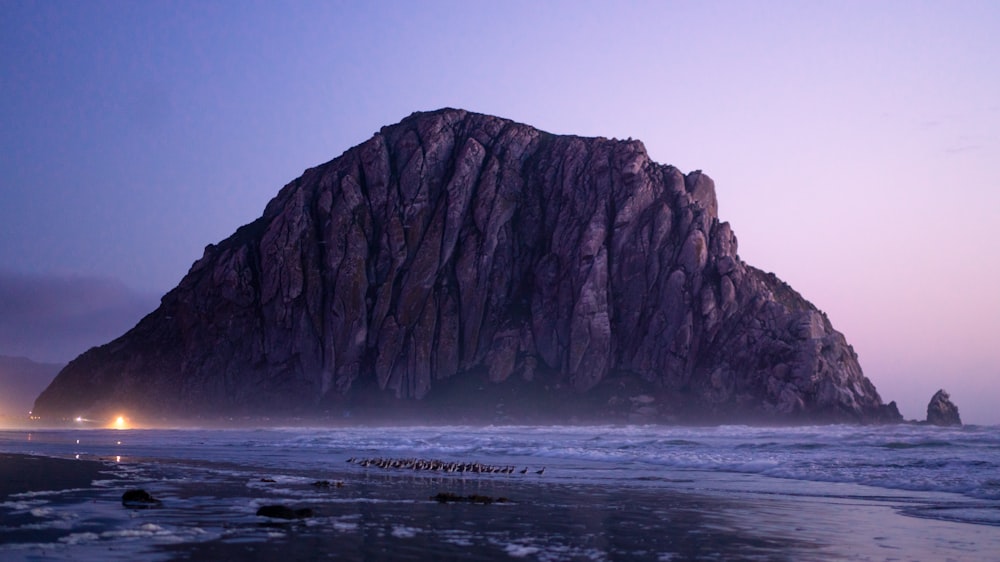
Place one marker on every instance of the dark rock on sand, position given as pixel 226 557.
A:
pixel 449 497
pixel 284 512
pixel 139 499
pixel 326 484
pixel 941 410
pixel 458 256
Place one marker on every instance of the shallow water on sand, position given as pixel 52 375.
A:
pixel 606 493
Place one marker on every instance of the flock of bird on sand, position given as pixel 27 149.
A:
pixel 439 466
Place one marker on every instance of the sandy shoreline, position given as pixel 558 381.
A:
pixel 209 513
pixel 21 473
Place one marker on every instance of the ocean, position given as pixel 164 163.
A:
pixel 901 492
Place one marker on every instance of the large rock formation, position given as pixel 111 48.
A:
pixel 942 411
pixel 461 263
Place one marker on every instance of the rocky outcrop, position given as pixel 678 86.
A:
pixel 941 410
pixel 456 259
pixel 284 512
pixel 139 499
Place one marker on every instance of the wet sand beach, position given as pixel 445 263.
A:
pixel 30 473
pixel 209 512
pixel 605 494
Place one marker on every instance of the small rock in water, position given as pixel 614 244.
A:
pixel 139 499
pixel 941 410
pixel 327 484
pixel 449 497
pixel 284 512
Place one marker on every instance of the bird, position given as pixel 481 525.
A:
pixel 539 472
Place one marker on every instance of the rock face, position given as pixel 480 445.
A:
pixel 459 258
pixel 941 410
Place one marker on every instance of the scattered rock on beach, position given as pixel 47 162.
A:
pixel 942 411
pixel 284 512
pixel 139 499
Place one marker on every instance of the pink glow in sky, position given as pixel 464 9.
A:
pixel 854 145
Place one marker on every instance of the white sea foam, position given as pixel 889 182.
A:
pixel 404 532
pixel 60 524
pixel 345 526
pixel 77 538
pixel 40 493
pixel 457 537
pixel 22 505
pixel 520 550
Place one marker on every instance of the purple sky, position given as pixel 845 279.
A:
pixel 855 145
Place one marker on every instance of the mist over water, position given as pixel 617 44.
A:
pixel 54 318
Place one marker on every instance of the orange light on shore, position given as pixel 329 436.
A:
pixel 120 423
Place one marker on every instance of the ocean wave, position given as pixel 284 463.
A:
pixel 920 458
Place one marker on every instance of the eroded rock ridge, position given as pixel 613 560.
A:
pixel 456 247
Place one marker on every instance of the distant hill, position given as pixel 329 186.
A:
pixel 21 381
pixel 53 318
